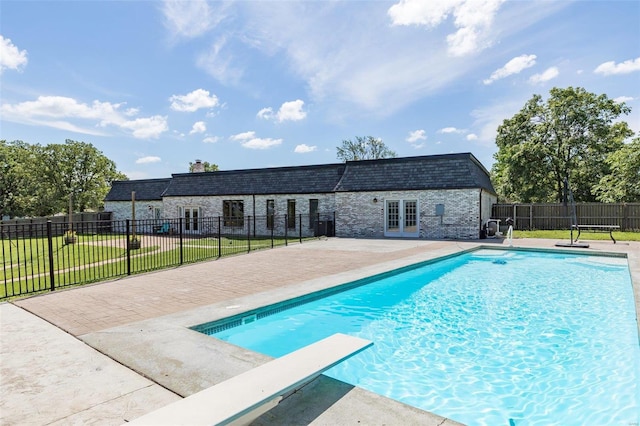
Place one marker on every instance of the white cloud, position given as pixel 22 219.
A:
pixel 265 113
pixel 548 74
pixel 250 141
pixel 10 56
pixel 416 135
pixel 472 137
pixel 450 130
pixel 243 136
pixel 147 160
pixel 304 148
pixel 473 18
pixel 419 145
pixel 211 139
pixel 261 143
pixel 198 127
pixel 190 18
pixel 59 112
pixel 611 68
pixel 289 111
pixel 218 63
pixel 193 101
pixel 621 99
pixel 514 66
pixel 145 128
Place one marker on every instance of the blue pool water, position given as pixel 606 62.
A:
pixel 485 338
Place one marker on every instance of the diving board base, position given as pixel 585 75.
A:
pixel 243 398
pixel 572 244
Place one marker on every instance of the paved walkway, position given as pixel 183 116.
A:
pixel 49 377
pixel 95 307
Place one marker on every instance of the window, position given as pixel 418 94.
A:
pixel 233 213
pixel 271 210
pixel 158 213
pixel 291 214
pixel 313 213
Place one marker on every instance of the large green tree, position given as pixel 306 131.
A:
pixel 363 148
pixel 622 185
pixel 40 179
pixel 19 185
pixel 568 136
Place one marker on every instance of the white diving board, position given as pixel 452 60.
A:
pixel 243 398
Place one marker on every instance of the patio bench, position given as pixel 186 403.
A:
pixel 243 398
pixel 597 228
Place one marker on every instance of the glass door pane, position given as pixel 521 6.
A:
pixel 194 216
pixel 410 216
pixel 393 216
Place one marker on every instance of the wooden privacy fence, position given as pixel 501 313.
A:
pixel 558 216
pixel 86 223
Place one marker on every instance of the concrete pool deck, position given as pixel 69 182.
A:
pixel 108 353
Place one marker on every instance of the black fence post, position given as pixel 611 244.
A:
pixel 127 225
pixel 273 225
pixel 219 237
pixel 300 227
pixel 52 275
pixel 249 235
pixel 181 241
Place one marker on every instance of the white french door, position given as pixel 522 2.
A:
pixel 401 218
pixel 191 219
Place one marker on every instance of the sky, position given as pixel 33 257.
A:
pixel 155 85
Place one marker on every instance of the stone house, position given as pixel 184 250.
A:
pixel 437 196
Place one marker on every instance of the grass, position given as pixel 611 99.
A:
pixel 585 235
pixel 93 258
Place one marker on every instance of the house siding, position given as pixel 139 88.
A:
pixel 211 206
pixel 357 215
pixel 345 194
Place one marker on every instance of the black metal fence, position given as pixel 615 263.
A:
pixel 38 257
pixel 557 216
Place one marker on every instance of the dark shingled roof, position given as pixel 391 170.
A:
pixel 281 180
pixel 146 189
pixel 452 171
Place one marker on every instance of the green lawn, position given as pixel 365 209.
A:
pixel 565 235
pixel 94 258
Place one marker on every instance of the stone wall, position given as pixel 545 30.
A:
pixel 256 206
pixel 358 214
pixel 362 214
pixel 145 211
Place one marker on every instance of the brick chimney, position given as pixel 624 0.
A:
pixel 198 167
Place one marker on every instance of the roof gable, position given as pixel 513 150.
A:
pixel 146 189
pixel 451 171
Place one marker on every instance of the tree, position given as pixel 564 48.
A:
pixel 208 167
pixel 364 148
pixel 567 137
pixel 38 180
pixel 623 184
pixel 18 184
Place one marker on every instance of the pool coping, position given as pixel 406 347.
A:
pixel 148 347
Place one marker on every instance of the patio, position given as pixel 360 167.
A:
pixel 110 352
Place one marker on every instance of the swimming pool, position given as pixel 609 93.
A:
pixel 488 337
